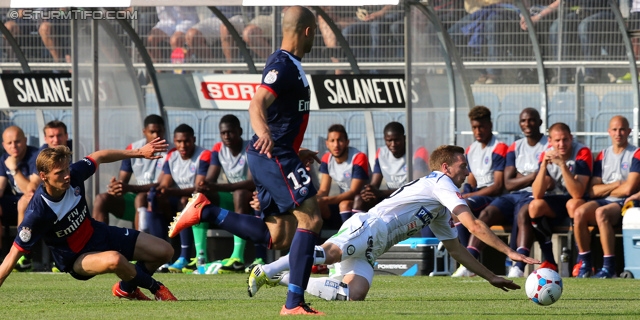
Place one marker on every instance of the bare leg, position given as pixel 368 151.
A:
pixel 583 217
pixel 607 217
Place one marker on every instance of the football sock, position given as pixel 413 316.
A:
pixel 301 260
pixel 238 248
pixel 547 252
pixel 523 251
pixel 142 279
pixel 345 215
pixel 271 269
pixel 474 252
pixel 156 225
pixel 186 242
pixel 244 226
pixel 463 234
pixel 200 239
pixel 585 257
pixel 142 219
pixel 609 263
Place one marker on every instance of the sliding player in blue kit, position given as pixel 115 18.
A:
pixel 58 213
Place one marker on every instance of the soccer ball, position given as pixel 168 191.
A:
pixel 544 286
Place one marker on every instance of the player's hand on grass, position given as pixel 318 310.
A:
pixel 514 256
pixel 151 149
pixel 504 284
pixel 264 144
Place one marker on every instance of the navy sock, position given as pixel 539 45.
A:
pixel 524 251
pixel 156 225
pixel 513 240
pixel 344 215
pixel 142 279
pixel 463 234
pixel 474 252
pixel 609 263
pixel 245 226
pixel 186 242
pixel 547 251
pixel 585 257
pixel 300 262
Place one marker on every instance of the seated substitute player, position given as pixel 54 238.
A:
pixel 18 181
pixel 185 166
pixel 55 134
pixel 128 201
pixel 616 175
pixel 391 164
pixel 80 245
pixel 519 173
pixel 345 165
pixel 486 157
pixel 229 156
pixel 558 190
pixel 428 201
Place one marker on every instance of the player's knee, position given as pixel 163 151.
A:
pixel 536 208
pixel 602 218
pixel 113 260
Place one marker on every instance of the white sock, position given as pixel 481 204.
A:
pixel 328 289
pixel 277 266
pixel 142 219
pixel 319 256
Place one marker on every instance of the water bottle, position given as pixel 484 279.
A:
pixel 564 261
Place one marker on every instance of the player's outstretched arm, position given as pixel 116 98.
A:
pixel 9 262
pixel 150 150
pixel 482 231
pixel 460 253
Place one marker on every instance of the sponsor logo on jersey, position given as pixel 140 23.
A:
pixel 424 215
pixel 76 191
pixel 25 234
pixel 351 249
pixel 271 77
pixel 331 284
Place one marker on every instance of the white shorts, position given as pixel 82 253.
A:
pixel 210 27
pixel 169 27
pixel 362 239
pixel 265 23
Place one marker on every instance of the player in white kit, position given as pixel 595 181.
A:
pixel 616 175
pixel 428 201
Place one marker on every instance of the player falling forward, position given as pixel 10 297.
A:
pixel 81 246
pixel 428 201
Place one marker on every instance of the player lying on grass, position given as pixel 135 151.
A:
pixel 428 201
pixel 80 245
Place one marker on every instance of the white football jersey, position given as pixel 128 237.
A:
pixel 427 201
pixel 234 167
pixel 525 158
pixel 146 171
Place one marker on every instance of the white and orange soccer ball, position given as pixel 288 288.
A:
pixel 544 287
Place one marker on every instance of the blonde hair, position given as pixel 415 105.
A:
pixel 52 158
pixel 444 154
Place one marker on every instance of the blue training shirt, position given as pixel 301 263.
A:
pixel 288 115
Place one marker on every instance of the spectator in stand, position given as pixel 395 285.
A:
pixel 391 165
pixel 589 28
pixel 209 32
pixel 173 24
pixel 633 25
pixel 257 34
pixel 519 173
pixel 129 201
pixel 342 17
pixel 616 175
pixel 490 26
pixel 486 157
pixel 349 168
pixel 18 182
pixel 560 187
pixel 55 34
pixel 25 31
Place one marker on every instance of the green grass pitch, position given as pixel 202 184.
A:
pixel 59 296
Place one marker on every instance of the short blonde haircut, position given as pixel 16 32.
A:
pixel 444 154
pixel 52 158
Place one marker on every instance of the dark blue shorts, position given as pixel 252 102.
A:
pixel 477 203
pixel 9 204
pixel 282 182
pixel 104 238
pixel 558 205
pixel 511 203
pixel 604 202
